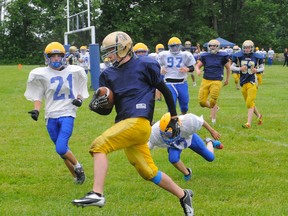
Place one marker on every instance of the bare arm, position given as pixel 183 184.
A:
pixel 212 131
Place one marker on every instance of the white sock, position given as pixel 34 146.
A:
pixel 78 165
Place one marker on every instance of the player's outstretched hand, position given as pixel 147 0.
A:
pixel 77 102
pixel 34 114
pixel 174 125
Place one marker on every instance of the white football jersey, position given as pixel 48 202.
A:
pixel 173 62
pixel 86 61
pixel 153 55
pixel 57 88
pixel 190 124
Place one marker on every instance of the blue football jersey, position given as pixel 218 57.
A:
pixel 133 85
pixel 214 65
pixel 250 60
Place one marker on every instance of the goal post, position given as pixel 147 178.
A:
pixel 93 47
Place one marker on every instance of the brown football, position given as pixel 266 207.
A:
pixel 108 92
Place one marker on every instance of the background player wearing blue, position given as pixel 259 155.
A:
pixel 175 66
pixel 133 82
pixel 214 63
pixel 188 138
pixel 63 88
pixel 249 64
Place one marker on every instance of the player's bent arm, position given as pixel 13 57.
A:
pixel 212 131
pixel 234 67
pixel 260 68
pixel 197 67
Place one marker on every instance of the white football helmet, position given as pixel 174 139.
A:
pixel 118 43
pixel 248 46
pixel 236 49
pixel 213 46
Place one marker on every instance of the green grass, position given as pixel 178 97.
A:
pixel 248 177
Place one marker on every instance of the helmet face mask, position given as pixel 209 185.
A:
pixel 51 50
pixel 213 46
pixel 116 46
pixel 174 45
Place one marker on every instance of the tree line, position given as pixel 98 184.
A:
pixel 27 26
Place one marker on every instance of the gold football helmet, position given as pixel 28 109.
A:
pixel 118 43
pixel 140 49
pixel 166 131
pixel 159 48
pixel 51 49
pixel 174 45
pixel 248 44
pixel 213 46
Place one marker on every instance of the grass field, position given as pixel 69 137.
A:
pixel 248 177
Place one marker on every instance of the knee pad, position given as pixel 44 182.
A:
pixel 157 179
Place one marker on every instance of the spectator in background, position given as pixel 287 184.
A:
pixel 285 57
pixel 270 56
pixel 263 53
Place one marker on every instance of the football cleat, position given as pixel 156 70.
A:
pixel 90 199
pixel 246 125
pixel 188 177
pixel 80 175
pixel 186 203
pixel 259 119
pixel 216 143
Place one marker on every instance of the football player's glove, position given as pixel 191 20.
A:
pixel 34 114
pixel 77 102
pixel 174 125
pixel 98 101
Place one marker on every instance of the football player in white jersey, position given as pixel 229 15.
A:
pixel 63 87
pixel 175 65
pixel 188 138
pixel 84 59
pixel 159 48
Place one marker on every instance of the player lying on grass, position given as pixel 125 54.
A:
pixel 188 138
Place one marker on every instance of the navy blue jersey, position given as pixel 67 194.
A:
pixel 133 85
pixel 214 65
pixel 250 60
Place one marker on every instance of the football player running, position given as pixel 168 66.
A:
pixel 84 59
pixel 133 82
pixel 140 50
pixel 158 48
pixel 175 65
pixel 250 63
pixel 188 138
pixel 63 88
pixel 213 62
